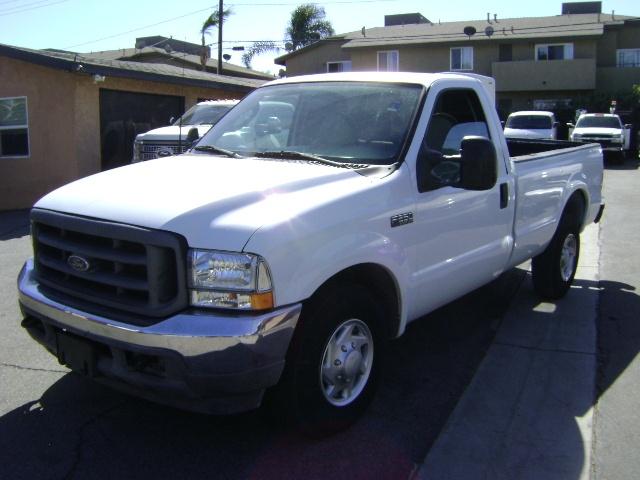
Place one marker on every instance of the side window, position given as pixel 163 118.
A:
pixel 457 113
pixel 14 128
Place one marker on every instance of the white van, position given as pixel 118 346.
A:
pixel 531 124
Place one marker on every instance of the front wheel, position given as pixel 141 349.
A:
pixel 334 361
pixel 554 269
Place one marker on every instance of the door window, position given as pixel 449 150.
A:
pixel 456 114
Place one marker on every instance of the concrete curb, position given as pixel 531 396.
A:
pixel 528 412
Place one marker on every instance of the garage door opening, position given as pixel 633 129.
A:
pixel 123 115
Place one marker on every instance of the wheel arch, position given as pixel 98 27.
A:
pixel 381 283
pixel 577 204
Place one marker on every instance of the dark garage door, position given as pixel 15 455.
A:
pixel 125 114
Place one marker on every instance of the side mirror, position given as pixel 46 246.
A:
pixel 171 120
pixel 570 125
pixel 555 125
pixel 478 163
pixel 502 122
pixel 628 125
pixel 192 137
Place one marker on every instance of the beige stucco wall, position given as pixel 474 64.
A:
pixel 315 61
pixel 51 114
pixel 64 125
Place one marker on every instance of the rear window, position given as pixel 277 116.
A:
pixel 530 122
pixel 598 122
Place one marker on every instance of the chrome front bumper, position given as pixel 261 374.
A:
pixel 200 355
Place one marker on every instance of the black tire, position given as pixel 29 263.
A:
pixel 299 398
pixel 552 273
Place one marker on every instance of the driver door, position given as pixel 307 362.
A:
pixel 463 237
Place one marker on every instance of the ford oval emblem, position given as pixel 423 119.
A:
pixel 164 152
pixel 78 263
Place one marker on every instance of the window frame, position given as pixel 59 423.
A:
pixel 338 62
pixel 565 45
pixel 18 127
pixel 462 49
pixel 387 52
pixel 620 51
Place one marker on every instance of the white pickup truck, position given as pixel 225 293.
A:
pixel 178 137
pixel 284 251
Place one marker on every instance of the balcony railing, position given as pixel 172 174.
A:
pixel 545 75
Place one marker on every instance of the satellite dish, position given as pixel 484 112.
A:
pixel 226 56
pixel 469 31
pixel 167 48
pixel 488 31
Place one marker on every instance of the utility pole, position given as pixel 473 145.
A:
pixel 220 22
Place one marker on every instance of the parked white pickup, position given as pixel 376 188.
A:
pixel 178 137
pixel 308 227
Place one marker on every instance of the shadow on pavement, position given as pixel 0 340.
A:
pixel 528 411
pixel 80 429
pixel 14 224
pixel 627 164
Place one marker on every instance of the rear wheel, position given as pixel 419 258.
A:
pixel 554 269
pixel 334 362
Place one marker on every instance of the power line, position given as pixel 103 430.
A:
pixel 208 9
pixel 142 28
pixel 14 10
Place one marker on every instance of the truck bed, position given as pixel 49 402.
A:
pixel 521 147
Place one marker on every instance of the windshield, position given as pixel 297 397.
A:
pixel 203 114
pixel 347 122
pixel 529 122
pixel 599 122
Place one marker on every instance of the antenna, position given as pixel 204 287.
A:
pixel 488 31
pixel 469 31
pixel 495 17
pixel 364 32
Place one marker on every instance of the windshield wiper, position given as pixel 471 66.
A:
pixel 293 155
pixel 213 149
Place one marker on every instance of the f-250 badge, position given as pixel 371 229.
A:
pixel 401 219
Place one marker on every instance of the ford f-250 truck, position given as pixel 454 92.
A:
pixel 283 251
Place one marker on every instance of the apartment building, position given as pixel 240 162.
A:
pixel 547 63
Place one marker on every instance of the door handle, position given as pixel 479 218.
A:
pixel 504 195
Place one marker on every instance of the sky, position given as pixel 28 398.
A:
pixel 94 25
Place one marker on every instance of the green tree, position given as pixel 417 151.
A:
pixel 307 24
pixel 212 21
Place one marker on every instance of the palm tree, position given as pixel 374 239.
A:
pixel 307 25
pixel 258 48
pixel 212 21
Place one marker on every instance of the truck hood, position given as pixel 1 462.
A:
pixel 597 131
pixel 171 132
pixel 214 202
pixel 528 133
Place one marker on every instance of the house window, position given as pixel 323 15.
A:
pixel 14 129
pixel 560 51
pixel 462 58
pixel 343 66
pixel 628 57
pixel 388 61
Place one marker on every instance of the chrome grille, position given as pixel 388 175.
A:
pixel 150 150
pixel 110 265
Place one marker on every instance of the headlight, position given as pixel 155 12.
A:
pixel 137 151
pixel 577 137
pixel 229 280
